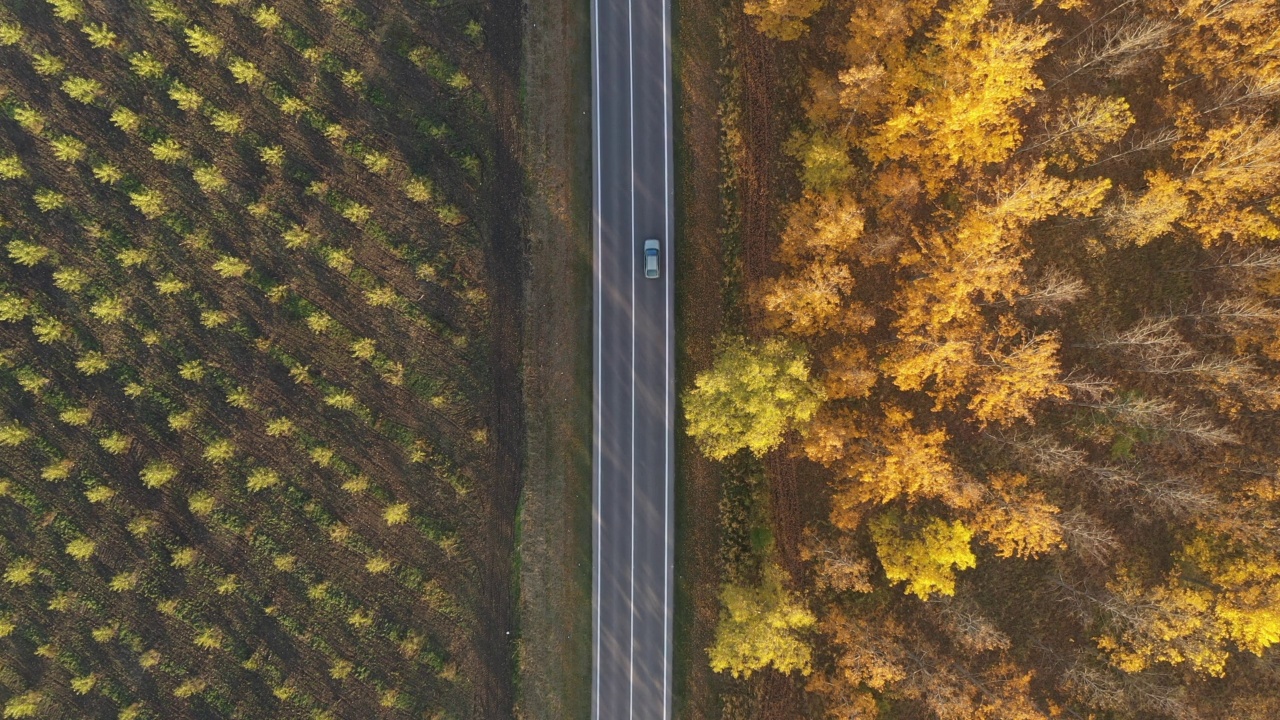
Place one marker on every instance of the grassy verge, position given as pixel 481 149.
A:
pixel 554 542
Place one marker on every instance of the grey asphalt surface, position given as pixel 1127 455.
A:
pixel 634 389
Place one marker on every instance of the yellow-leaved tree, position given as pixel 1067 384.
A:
pixel 818 247
pixel 956 106
pixel 901 462
pixel 1247 580
pixel 1015 374
pixel 1171 623
pixel 952 338
pixel 782 19
pixel 1222 594
pixel 1234 175
pixel 925 552
pixel 762 627
pixel 1080 128
pixel 1016 521
pixel 1138 218
pixel 748 400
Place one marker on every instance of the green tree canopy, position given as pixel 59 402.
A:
pixel 761 626
pixel 751 397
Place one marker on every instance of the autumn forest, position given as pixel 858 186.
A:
pixel 979 359
pixel 1015 353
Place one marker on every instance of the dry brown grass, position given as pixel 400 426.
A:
pixel 554 656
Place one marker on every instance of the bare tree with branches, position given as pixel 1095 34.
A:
pixel 1142 142
pixel 1122 47
pixel 1041 453
pixel 1054 290
pixel 1163 415
pixel 1087 537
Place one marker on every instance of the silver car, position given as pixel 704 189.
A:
pixel 651 258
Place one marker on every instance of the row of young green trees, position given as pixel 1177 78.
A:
pixel 244 363
pixel 1023 326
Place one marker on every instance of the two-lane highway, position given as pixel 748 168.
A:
pixel 634 393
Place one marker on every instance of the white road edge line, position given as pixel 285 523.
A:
pixel 669 229
pixel 631 127
pixel 596 307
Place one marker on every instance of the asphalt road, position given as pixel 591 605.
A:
pixel 634 389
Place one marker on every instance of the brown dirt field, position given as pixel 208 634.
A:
pixel 762 178
pixel 554 544
pixel 780 469
pixel 765 185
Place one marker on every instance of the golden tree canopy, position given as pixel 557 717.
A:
pixel 924 553
pixel 761 627
pixel 751 397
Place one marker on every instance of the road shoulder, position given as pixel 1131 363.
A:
pixel 554 543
